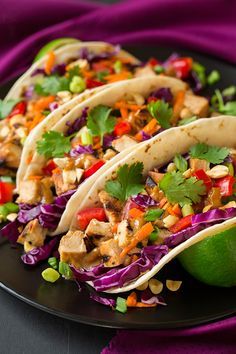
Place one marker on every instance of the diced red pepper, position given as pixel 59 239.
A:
pixel 101 66
pixel 226 185
pixel 94 168
pixel 201 175
pixel 153 62
pixel 93 83
pixel 47 170
pixel 182 67
pixel 85 216
pixel 19 108
pixel 122 128
pixel 6 192
pixel 182 224
pixel 152 99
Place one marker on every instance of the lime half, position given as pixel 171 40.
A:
pixel 53 45
pixel 213 260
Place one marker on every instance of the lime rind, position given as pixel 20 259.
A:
pixel 53 45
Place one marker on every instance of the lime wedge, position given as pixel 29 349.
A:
pixel 53 45
pixel 213 260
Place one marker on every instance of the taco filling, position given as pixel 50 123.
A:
pixel 140 219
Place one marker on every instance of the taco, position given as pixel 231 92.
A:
pixel 170 193
pixel 87 141
pixel 52 86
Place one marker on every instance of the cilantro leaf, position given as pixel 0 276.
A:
pixel 180 163
pixel 7 106
pixel 153 214
pixel 128 182
pixel 51 85
pixel 161 111
pixel 100 122
pixel 225 108
pixel 212 154
pixel 186 120
pixel 180 190
pixel 75 71
pixel 53 144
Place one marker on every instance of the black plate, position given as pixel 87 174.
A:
pixel 193 304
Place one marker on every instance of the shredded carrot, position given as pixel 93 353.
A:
pixel 174 210
pixel 37 178
pixel 114 228
pixel 56 171
pixel 151 128
pixel 49 63
pixel 132 299
pixel 31 124
pixel 141 304
pixel 132 107
pixel 135 213
pixel 178 106
pixel 117 77
pixel 162 202
pixel 126 60
pixel 140 235
pixel 124 113
pixel 43 103
pixel 87 74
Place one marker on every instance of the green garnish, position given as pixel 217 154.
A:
pixel 200 71
pixel 7 106
pixel 64 269
pixel 51 85
pixel 212 154
pixel 100 121
pixel 50 275
pixel 86 138
pixel 180 163
pixel 127 183
pixel 121 305
pixel 7 209
pixel 213 77
pixel 159 69
pixel 6 179
pixel 225 108
pixel 186 120
pixel 53 262
pixel 177 189
pixel 46 112
pixel 153 236
pixel 101 75
pixel 117 66
pixel 161 111
pixel 187 210
pixel 77 84
pixel 229 91
pixel 54 144
pixel 153 214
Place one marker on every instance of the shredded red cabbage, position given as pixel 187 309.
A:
pixel 107 140
pixel 145 136
pixel 53 106
pixel 163 93
pixel 59 69
pixel 78 123
pixel 84 53
pixel 79 149
pixel 213 216
pixel 104 278
pixel 38 72
pixel 169 60
pixel 39 254
pixel 11 231
pixel 29 92
pixel 28 213
pixel 144 200
pixel 181 236
pixel 147 297
pixel 103 300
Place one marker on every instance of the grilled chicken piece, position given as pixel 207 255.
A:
pixel 123 143
pixel 156 176
pixel 33 234
pixel 198 105
pixel 139 119
pixel 109 154
pixel 30 192
pixel 197 164
pixel 85 161
pixel 62 186
pixel 112 207
pixel 10 154
pixel 72 248
pixel 98 231
pixel 123 233
pixel 46 184
pixel 110 252
pixel 145 71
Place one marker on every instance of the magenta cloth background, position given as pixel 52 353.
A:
pixel 203 25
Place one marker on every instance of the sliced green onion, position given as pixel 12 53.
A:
pixel 121 305
pixel 187 210
pixel 50 275
pixel 77 84
pixel 7 209
pixel 86 138
pixel 117 66
pixel 159 69
pixel 230 167
pixel 53 262
pixel 187 121
pixel 101 75
pixel 229 91
pixel 6 179
pixel 153 214
pixel 180 163
pixel 153 236
pixel 65 270
pixel 200 70
pixel 213 77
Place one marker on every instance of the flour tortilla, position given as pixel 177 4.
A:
pixel 157 152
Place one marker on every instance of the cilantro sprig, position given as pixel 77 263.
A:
pixel 153 214
pixel 177 189
pixel 7 106
pixel 128 182
pixel 225 108
pixel 180 163
pixel 161 111
pixel 100 121
pixel 212 154
pixel 54 144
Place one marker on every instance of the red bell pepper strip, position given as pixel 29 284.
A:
pixel 182 224
pixel 153 62
pixel 85 216
pixel 93 83
pixel 182 67
pixel 6 192
pixel 122 128
pixel 47 170
pixel 201 175
pixel 94 168
pixel 152 99
pixel 226 185
pixel 19 108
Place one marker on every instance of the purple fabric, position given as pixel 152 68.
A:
pixel 214 338
pixel 27 25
